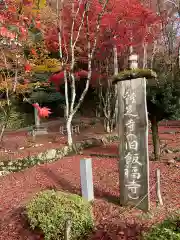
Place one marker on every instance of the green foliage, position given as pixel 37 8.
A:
pixel 44 94
pixel 167 230
pixel 46 97
pixel 163 99
pixel 135 73
pixel 50 210
pixel 40 77
pixel 163 102
pixel 17 119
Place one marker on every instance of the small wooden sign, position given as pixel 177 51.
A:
pixel 133 132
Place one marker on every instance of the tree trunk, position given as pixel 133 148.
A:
pixel 67 230
pixel 4 126
pixel 155 138
pixel 158 188
pixel 98 112
pixel 69 131
pixel 108 125
pixel 115 73
pixel 2 132
pixel 145 55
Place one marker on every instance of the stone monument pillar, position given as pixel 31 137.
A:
pixel 133 133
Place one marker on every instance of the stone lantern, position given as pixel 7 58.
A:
pixel 133 61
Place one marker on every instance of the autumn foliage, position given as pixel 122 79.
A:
pixel 42 111
pixel 13 22
pixel 123 23
pixel 128 22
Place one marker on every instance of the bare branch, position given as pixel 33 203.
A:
pixel 73 23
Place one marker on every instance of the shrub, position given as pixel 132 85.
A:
pixel 167 230
pixel 49 211
pixel 17 119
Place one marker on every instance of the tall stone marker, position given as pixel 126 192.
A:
pixel 133 133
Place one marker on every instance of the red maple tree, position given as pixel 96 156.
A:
pixel 15 23
pixel 83 32
pixel 123 23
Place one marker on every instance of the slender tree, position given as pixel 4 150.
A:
pixel 80 28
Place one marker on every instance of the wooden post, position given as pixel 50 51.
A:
pixel 158 187
pixel 86 179
pixel 133 133
pixel 67 230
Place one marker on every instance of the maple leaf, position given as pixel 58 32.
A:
pixel 42 112
pixel 33 51
pixel 27 67
pixel 37 24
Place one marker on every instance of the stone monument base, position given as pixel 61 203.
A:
pixel 39 131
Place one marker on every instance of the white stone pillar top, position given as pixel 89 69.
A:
pixel 133 61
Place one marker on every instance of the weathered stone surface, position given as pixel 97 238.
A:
pixel 133 147
pixel 40 131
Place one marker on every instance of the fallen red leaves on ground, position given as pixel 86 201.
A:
pixel 112 221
